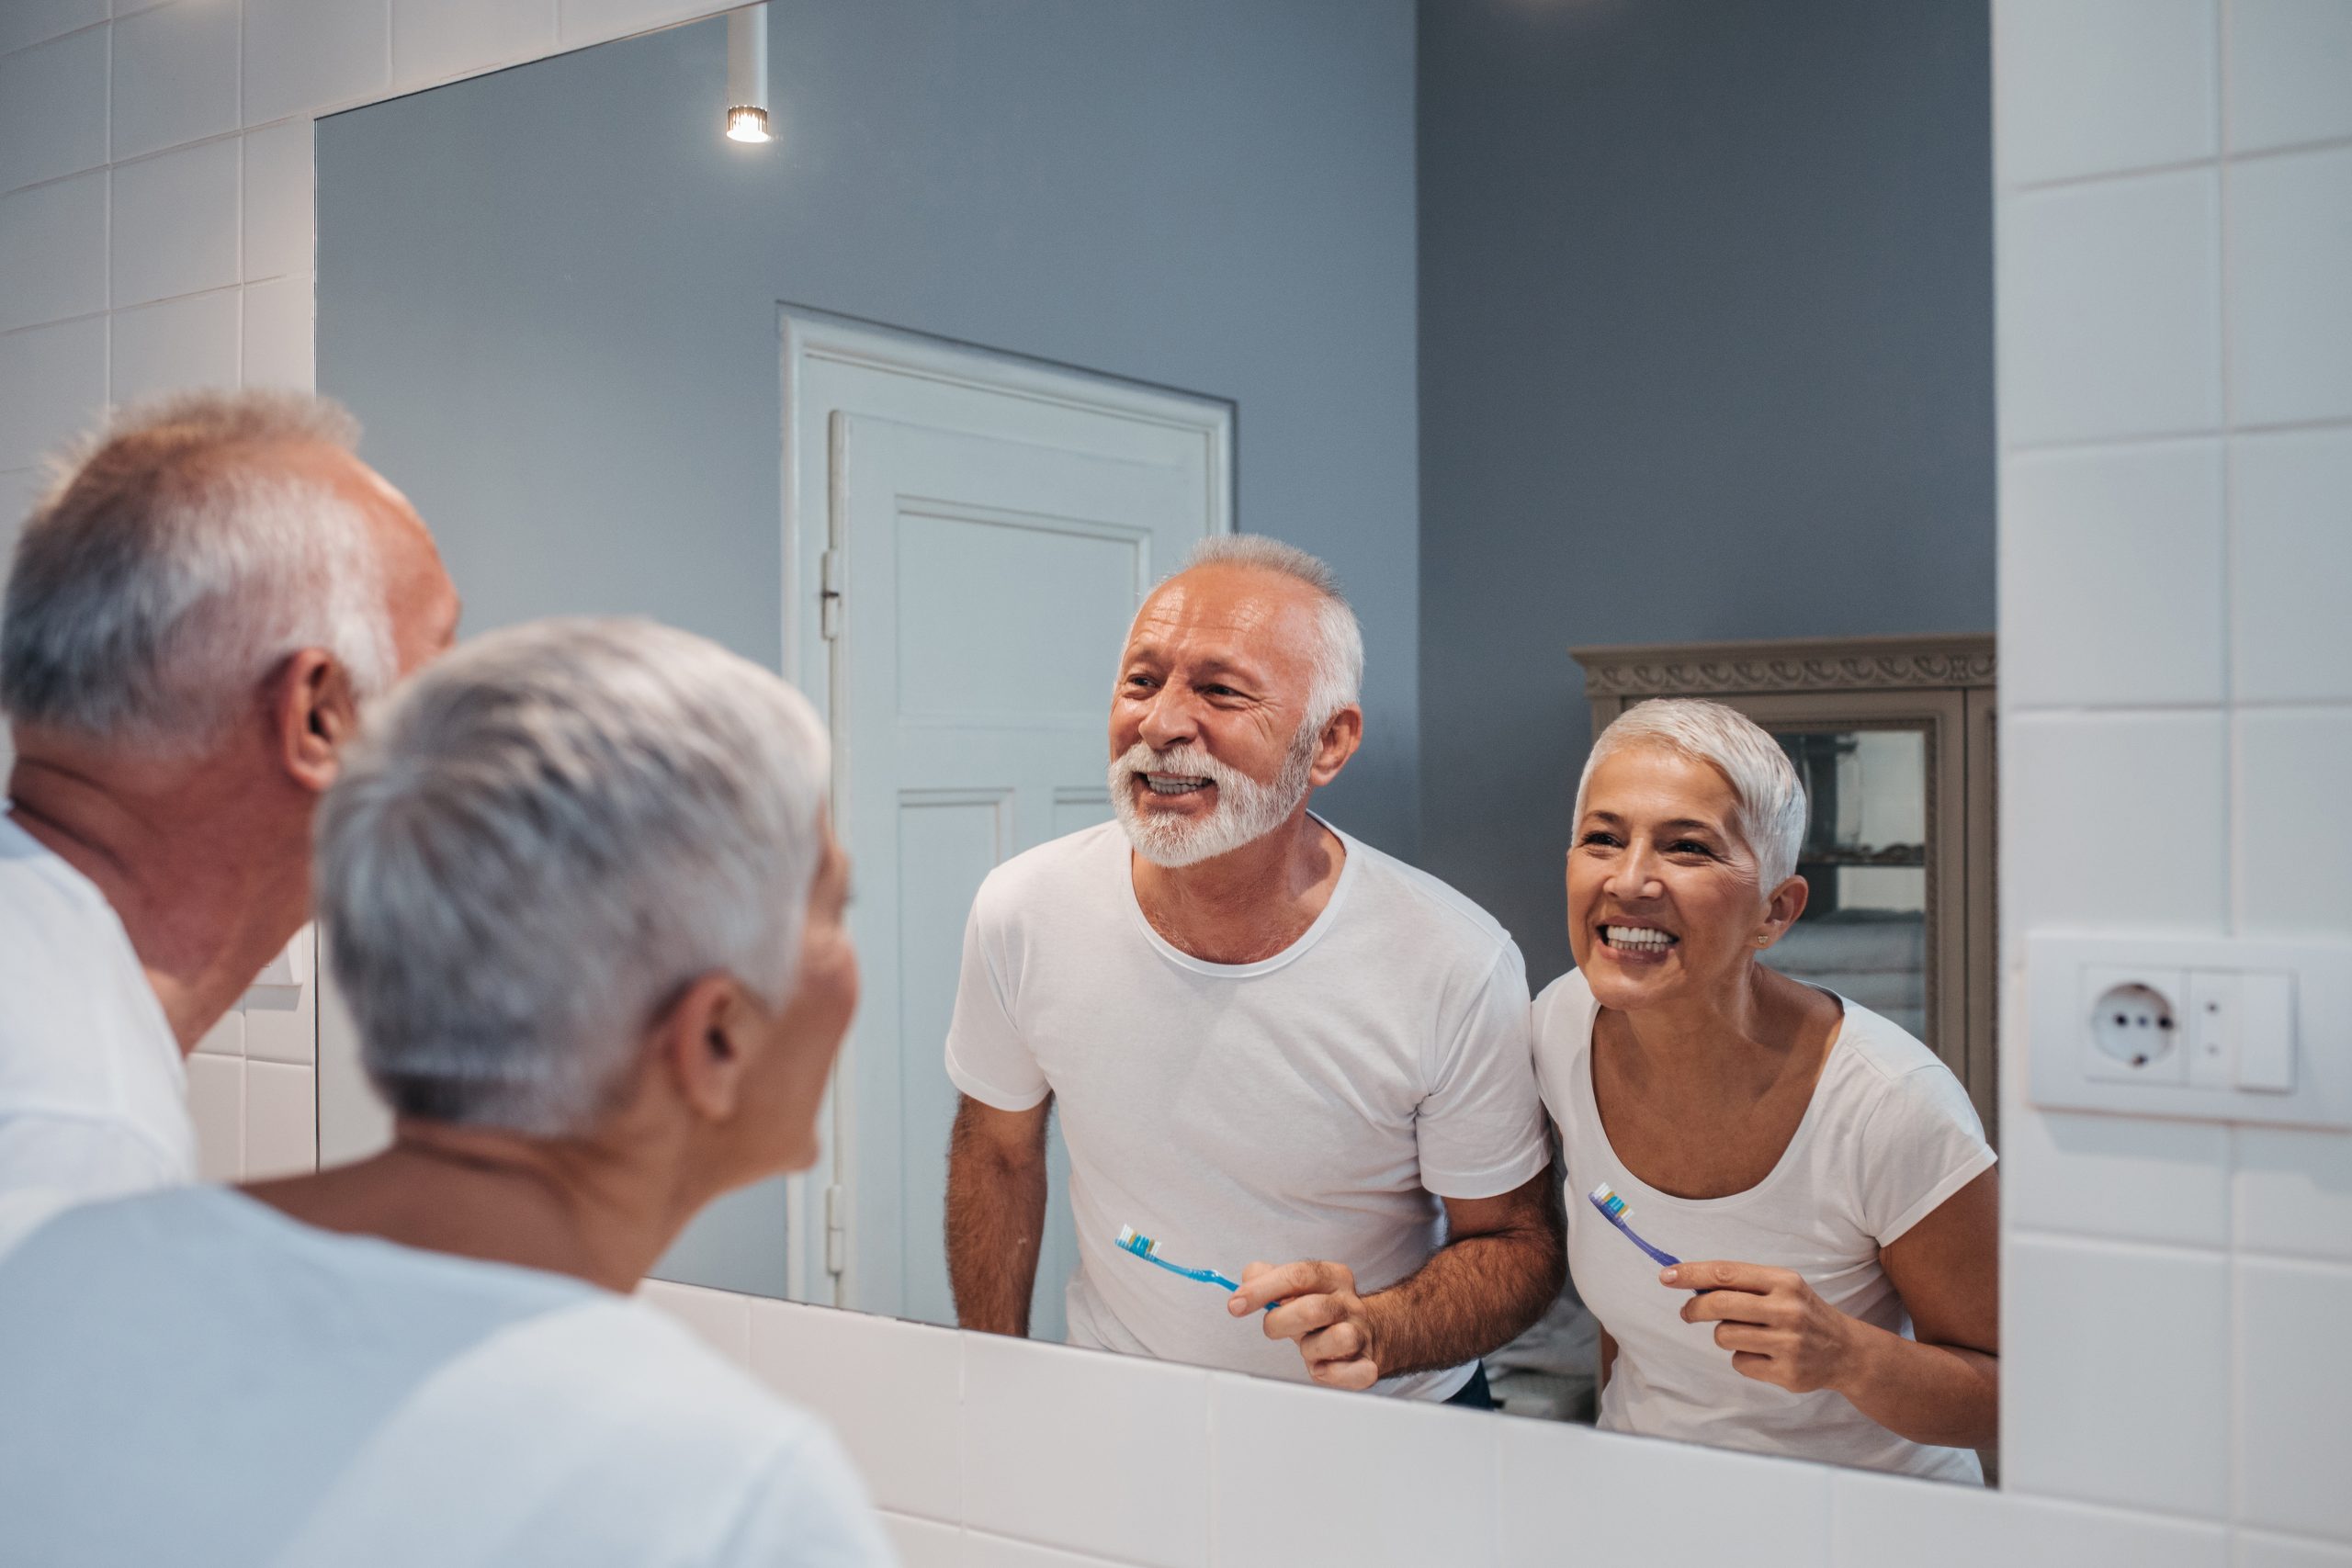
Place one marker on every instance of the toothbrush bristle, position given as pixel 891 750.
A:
pixel 1605 1199
pixel 1135 1241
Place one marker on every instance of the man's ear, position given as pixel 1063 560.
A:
pixel 1342 735
pixel 705 1042
pixel 313 715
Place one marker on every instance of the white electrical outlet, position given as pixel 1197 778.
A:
pixel 2134 1018
pixel 2214 1027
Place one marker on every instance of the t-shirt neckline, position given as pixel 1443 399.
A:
pixel 1583 1085
pixel 1307 939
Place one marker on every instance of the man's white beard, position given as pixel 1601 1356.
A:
pixel 1246 809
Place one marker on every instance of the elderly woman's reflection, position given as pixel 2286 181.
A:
pixel 1818 1171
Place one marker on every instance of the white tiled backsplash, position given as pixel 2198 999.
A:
pixel 2175 231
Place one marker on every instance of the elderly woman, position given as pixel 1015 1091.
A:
pixel 1815 1177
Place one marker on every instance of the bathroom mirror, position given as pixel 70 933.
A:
pixel 915 401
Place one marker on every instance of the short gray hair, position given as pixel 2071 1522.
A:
pixel 541 839
pixel 1338 680
pixel 1771 805
pixel 170 566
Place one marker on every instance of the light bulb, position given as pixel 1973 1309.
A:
pixel 745 124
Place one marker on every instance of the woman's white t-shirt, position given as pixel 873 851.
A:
pixel 1889 1134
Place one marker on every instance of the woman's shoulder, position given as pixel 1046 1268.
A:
pixel 1892 1073
pixel 1564 1010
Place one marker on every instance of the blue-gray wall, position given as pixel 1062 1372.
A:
pixel 550 295
pixel 1706 321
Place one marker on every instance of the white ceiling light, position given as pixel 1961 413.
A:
pixel 747 75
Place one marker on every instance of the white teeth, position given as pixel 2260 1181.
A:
pixel 1173 785
pixel 1636 936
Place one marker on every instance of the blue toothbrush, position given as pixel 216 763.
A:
pixel 1613 1209
pixel 1135 1241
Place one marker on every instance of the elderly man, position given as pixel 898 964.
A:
pixel 1265 1038
pixel 581 898
pixel 197 609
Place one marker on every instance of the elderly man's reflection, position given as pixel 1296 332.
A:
pixel 1266 1038
pixel 1814 1178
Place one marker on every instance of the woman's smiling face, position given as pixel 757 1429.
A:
pixel 1663 896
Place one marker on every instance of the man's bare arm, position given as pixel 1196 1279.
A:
pixel 1504 1260
pixel 996 1212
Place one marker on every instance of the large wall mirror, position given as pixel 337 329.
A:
pixel 918 401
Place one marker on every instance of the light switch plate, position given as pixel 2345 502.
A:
pixel 2251 1030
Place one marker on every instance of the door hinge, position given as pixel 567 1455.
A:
pixel 829 596
pixel 836 1230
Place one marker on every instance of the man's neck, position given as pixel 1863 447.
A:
pixel 1249 904
pixel 204 871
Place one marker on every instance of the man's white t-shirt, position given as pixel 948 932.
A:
pixel 93 1092
pixel 1888 1136
pixel 194 1378
pixel 1304 1106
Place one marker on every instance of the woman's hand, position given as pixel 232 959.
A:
pixel 1777 1329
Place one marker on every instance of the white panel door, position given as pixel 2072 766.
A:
pixel 989 527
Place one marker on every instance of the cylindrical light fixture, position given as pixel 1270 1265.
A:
pixel 747 75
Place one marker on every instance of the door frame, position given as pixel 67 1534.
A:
pixel 815 661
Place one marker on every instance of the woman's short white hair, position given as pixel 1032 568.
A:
pixel 170 566
pixel 1338 680
pixel 1771 805
pixel 541 839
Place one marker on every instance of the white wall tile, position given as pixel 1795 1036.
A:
pixel 281 1120
pixel 2112 575
pixel 434 40
pixel 2255 1549
pixel 2294 836
pixel 2114 819
pixel 53 108
pixel 53 250
pixel 978 1549
pixel 2291 72
pixel 1879 1520
pixel 920 1543
pixel 2113 1392
pixel 1576 1495
pixel 281 1026
pixel 2290 287
pixel 592 21
pixel 890 1390
pixel 304 55
pixel 1086 1451
pixel 2121 1176
pixel 280 218
pixel 181 343
pixel 52 384
pixel 226 1038
pixel 2294 1416
pixel 2290 566
pixel 280 315
pixel 721 1319
pixel 2109 323
pixel 2294 1191
pixel 2092 87
pixel 175 223
pixel 24 22
pixel 216 1103
pixel 1303 1474
pixel 175 75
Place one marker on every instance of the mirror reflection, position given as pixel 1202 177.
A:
pixel 1665 1104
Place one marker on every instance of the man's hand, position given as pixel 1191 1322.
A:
pixel 1777 1329
pixel 1321 1311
